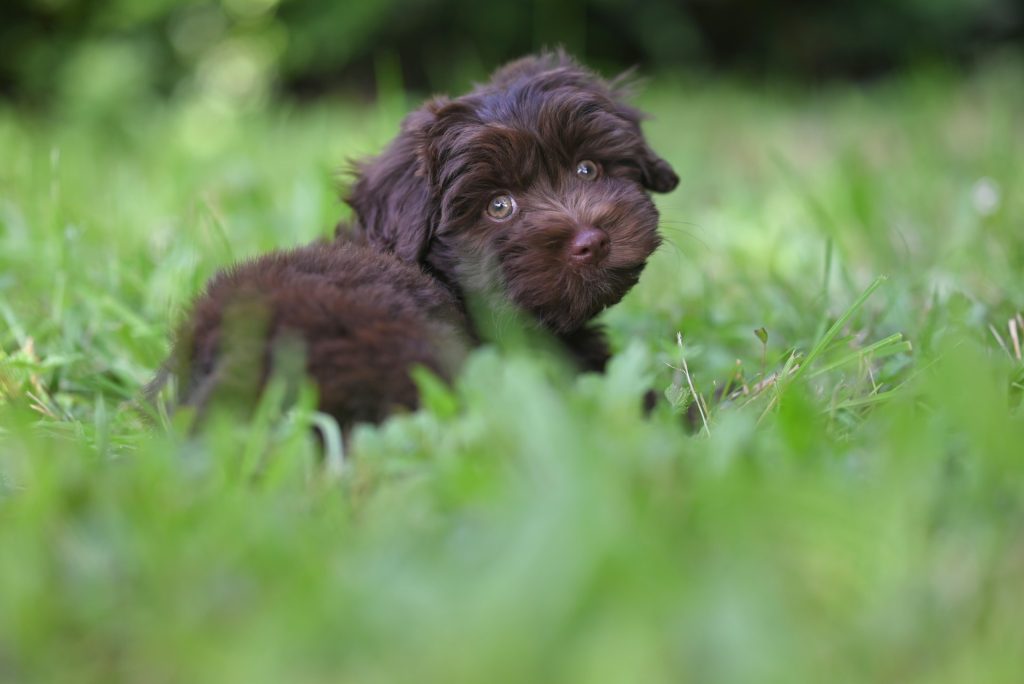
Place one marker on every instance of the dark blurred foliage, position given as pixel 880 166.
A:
pixel 53 49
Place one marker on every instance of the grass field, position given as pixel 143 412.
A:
pixel 855 513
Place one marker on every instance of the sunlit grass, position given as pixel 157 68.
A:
pixel 844 268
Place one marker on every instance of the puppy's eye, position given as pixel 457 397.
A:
pixel 501 207
pixel 587 170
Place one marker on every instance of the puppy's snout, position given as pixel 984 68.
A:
pixel 589 246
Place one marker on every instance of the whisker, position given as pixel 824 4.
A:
pixel 685 233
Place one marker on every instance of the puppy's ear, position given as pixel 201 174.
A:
pixel 656 173
pixel 395 205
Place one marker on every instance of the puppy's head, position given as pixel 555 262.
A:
pixel 536 182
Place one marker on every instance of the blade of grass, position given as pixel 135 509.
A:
pixel 13 325
pixel 1015 337
pixel 869 400
pixel 793 371
pixel 822 344
pixel 334 450
pixel 894 344
pixel 689 381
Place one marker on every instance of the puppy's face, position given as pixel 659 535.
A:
pixel 536 183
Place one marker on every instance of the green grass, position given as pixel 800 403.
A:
pixel 854 513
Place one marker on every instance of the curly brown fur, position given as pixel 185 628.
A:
pixel 523 135
pixel 362 318
pixel 395 290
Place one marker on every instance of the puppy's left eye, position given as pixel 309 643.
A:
pixel 501 207
pixel 587 170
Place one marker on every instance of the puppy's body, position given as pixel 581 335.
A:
pixel 362 319
pixel 530 191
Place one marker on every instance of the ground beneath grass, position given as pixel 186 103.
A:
pixel 854 512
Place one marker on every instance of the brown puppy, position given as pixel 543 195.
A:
pixel 534 185
pixel 530 191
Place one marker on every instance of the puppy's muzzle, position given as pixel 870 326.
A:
pixel 589 246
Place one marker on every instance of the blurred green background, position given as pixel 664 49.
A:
pixel 244 50
pixel 852 186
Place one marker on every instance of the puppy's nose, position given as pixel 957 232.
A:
pixel 589 246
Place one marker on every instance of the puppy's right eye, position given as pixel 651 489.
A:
pixel 587 170
pixel 501 207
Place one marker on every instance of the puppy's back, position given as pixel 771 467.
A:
pixel 362 319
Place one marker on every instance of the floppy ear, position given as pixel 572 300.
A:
pixel 656 173
pixel 395 205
